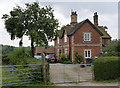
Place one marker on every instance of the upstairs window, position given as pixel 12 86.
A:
pixel 58 40
pixel 87 36
pixel 65 38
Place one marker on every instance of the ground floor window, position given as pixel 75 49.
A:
pixel 65 50
pixel 87 53
pixel 58 52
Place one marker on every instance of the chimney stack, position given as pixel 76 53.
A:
pixel 73 18
pixel 95 19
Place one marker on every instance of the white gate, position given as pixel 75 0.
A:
pixel 67 73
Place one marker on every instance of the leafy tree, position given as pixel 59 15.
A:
pixel 112 48
pixel 37 23
pixel 6 49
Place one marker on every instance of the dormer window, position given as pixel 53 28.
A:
pixel 58 40
pixel 87 37
pixel 65 38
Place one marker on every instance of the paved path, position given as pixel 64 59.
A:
pixel 87 84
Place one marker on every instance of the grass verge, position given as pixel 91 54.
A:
pixel 107 81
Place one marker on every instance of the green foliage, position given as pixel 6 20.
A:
pixel 67 62
pixel 37 23
pixel 79 58
pixel 64 59
pixel 5 59
pixel 106 68
pixel 17 57
pixel 6 49
pixel 112 48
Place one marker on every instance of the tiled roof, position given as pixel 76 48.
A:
pixel 71 30
pixel 42 49
pixel 105 34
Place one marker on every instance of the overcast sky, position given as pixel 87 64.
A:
pixel 107 15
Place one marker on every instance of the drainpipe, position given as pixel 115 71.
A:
pixel 70 47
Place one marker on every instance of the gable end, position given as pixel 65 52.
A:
pixel 82 23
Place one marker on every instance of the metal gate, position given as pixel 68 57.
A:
pixel 67 73
pixel 20 74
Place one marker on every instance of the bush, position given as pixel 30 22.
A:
pixel 106 68
pixel 5 59
pixel 63 57
pixel 67 62
pixel 79 58
pixel 18 56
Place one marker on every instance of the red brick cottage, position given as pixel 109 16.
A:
pixel 84 37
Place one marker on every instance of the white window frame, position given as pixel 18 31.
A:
pixel 65 38
pixel 65 50
pixel 58 40
pixel 87 37
pixel 58 50
pixel 87 56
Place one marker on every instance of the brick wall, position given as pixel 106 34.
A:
pixel 62 45
pixel 80 44
pixel 95 50
pixel 79 35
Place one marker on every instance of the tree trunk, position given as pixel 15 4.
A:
pixel 20 43
pixel 32 47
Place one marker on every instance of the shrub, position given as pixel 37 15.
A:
pixel 5 59
pixel 67 62
pixel 106 68
pixel 79 58
pixel 62 57
pixel 18 56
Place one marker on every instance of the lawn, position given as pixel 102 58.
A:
pixel 49 85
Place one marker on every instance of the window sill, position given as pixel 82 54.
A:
pixel 87 41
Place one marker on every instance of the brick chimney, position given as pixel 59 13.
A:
pixel 73 18
pixel 95 19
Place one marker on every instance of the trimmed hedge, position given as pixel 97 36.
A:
pixel 107 68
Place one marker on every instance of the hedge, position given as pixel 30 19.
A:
pixel 107 68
